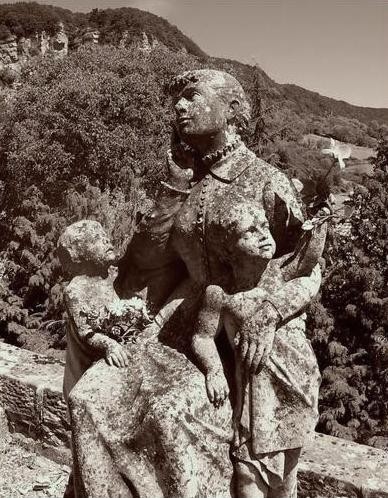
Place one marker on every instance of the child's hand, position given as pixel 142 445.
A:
pixel 116 355
pixel 217 388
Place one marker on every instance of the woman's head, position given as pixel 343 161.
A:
pixel 207 101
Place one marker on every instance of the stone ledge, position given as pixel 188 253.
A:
pixel 31 395
pixel 337 468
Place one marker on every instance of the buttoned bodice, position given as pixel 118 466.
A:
pixel 221 209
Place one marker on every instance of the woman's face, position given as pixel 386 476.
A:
pixel 200 111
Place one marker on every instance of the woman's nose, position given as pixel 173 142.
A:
pixel 180 106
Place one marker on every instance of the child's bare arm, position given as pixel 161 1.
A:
pixel 115 353
pixel 204 346
pixel 206 330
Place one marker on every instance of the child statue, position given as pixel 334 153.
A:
pixel 236 311
pixel 99 322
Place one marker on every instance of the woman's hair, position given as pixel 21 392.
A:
pixel 226 86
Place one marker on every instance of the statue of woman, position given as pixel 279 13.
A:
pixel 152 431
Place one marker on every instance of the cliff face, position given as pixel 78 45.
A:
pixel 8 51
pixel 16 51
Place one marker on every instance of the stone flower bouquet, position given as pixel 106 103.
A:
pixel 122 320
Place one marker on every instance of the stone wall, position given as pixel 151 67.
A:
pixel 31 398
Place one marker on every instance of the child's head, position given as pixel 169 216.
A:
pixel 85 248
pixel 251 225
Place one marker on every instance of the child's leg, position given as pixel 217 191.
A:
pixel 249 483
pixel 288 489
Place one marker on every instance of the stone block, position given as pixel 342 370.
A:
pixel 31 395
pixel 332 467
pixel 4 431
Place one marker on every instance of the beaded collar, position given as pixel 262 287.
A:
pixel 213 157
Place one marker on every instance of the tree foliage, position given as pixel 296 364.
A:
pixel 349 327
pixel 113 23
pixel 85 137
pixel 29 18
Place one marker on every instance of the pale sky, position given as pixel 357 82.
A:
pixel 338 48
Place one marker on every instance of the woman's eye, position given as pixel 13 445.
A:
pixel 192 95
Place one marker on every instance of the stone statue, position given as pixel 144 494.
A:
pixel 86 254
pixel 221 253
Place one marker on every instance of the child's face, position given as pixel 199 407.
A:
pixel 256 238
pixel 85 248
pixel 104 250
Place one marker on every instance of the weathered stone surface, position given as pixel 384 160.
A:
pixel 8 51
pixel 24 471
pixel 330 467
pixel 335 467
pixel 91 36
pixel 59 43
pixel 4 431
pixel 31 395
pixel 84 246
pixel 14 52
pixel 44 40
pixel 24 47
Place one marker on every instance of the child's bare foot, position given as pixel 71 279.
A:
pixel 217 388
pixel 117 356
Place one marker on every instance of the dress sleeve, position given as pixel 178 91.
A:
pixel 80 328
pixel 284 212
pixel 95 343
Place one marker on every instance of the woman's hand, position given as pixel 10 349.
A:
pixel 256 337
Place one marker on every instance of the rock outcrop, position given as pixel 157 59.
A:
pixel 14 52
pixel 90 37
pixel 59 44
pixel 8 51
